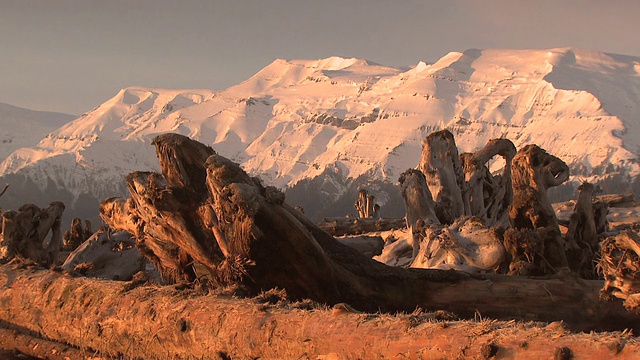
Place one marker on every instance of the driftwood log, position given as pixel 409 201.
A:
pixel 106 255
pixel 367 245
pixel 419 205
pixel 443 170
pixel 467 244
pixel 76 234
pixel 534 239
pixel 620 264
pixel 122 320
pixel 487 196
pixel 516 199
pixel 350 226
pixel 24 233
pixel 365 205
pixel 582 230
pixel 443 234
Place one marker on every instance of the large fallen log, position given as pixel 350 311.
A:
pixel 118 319
pixel 367 245
pixel 353 226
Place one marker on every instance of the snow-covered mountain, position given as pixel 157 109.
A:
pixel 331 125
pixel 21 128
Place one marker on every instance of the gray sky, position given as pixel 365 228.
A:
pixel 72 55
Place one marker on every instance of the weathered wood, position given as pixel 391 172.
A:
pixel 486 196
pixel 419 205
pixel 352 226
pixel 417 198
pixel 117 319
pixel 269 244
pixel 75 236
pixel 467 244
pixel 535 241
pixel 582 225
pixel 441 166
pixel 367 245
pixel 107 255
pixel 14 340
pixel 170 214
pixel 8 243
pixel 618 200
pixel 248 237
pixel 582 231
pixel 25 233
pixel 365 205
pixel 620 264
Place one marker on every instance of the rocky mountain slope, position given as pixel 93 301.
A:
pixel 328 126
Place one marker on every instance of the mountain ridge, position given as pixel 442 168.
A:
pixel 345 119
pixel 23 127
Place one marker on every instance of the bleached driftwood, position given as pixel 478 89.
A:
pixel 419 205
pixel 467 244
pixel 107 255
pixel 487 196
pixel 365 205
pixel 260 242
pixel 441 166
pixel 213 213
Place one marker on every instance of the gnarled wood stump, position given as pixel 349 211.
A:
pixel 441 166
pixel 24 233
pixel 488 196
pixel 535 241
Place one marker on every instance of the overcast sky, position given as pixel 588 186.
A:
pixel 72 55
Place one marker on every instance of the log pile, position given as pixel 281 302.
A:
pixel 205 208
pixel 205 215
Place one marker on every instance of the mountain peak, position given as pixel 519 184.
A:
pixel 332 63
